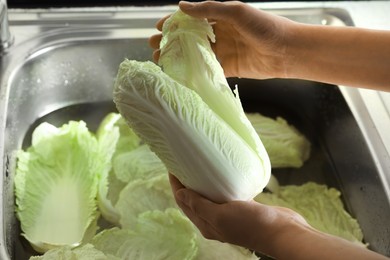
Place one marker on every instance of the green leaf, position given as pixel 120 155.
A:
pixel 108 136
pixel 86 252
pixel 214 249
pixel 319 205
pixel 138 163
pixel 286 146
pixel 56 185
pixel 115 139
pixel 157 235
pixel 144 195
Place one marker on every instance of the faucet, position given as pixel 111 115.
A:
pixel 5 35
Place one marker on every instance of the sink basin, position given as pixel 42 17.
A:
pixel 63 65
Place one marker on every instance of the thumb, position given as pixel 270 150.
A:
pixel 208 9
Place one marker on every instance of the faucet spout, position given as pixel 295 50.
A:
pixel 5 35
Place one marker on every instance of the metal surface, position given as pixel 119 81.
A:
pixel 5 35
pixel 63 64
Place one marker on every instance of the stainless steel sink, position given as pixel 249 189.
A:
pixel 63 64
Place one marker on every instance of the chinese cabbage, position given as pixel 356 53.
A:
pixel 196 126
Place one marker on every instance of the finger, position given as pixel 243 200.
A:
pixel 226 11
pixel 156 55
pixel 175 183
pixel 199 222
pixel 203 226
pixel 160 22
pixel 198 204
pixel 201 206
pixel 154 41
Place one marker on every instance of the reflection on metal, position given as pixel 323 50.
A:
pixel 5 35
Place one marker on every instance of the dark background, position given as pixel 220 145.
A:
pixel 84 3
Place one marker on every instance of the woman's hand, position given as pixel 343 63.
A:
pixel 248 224
pixel 250 43
pixel 274 231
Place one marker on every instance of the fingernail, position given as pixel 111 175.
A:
pixel 186 5
pixel 182 195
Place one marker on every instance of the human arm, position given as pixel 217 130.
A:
pixel 274 231
pixel 340 55
pixel 252 43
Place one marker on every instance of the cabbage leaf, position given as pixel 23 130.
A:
pixel 165 235
pixel 214 249
pixel 115 138
pixel 319 205
pixel 138 163
pixel 108 135
pixel 85 252
pixel 157 235
pixel 286 146
pixel 143 195
pixel 56 185
pixel 128 139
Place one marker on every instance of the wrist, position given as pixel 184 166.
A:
pixel 297 47
pixel 288 50
pixel 280 229
pixel 290 238
pixel 302 242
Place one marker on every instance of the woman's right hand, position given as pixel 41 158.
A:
pixel 250 43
